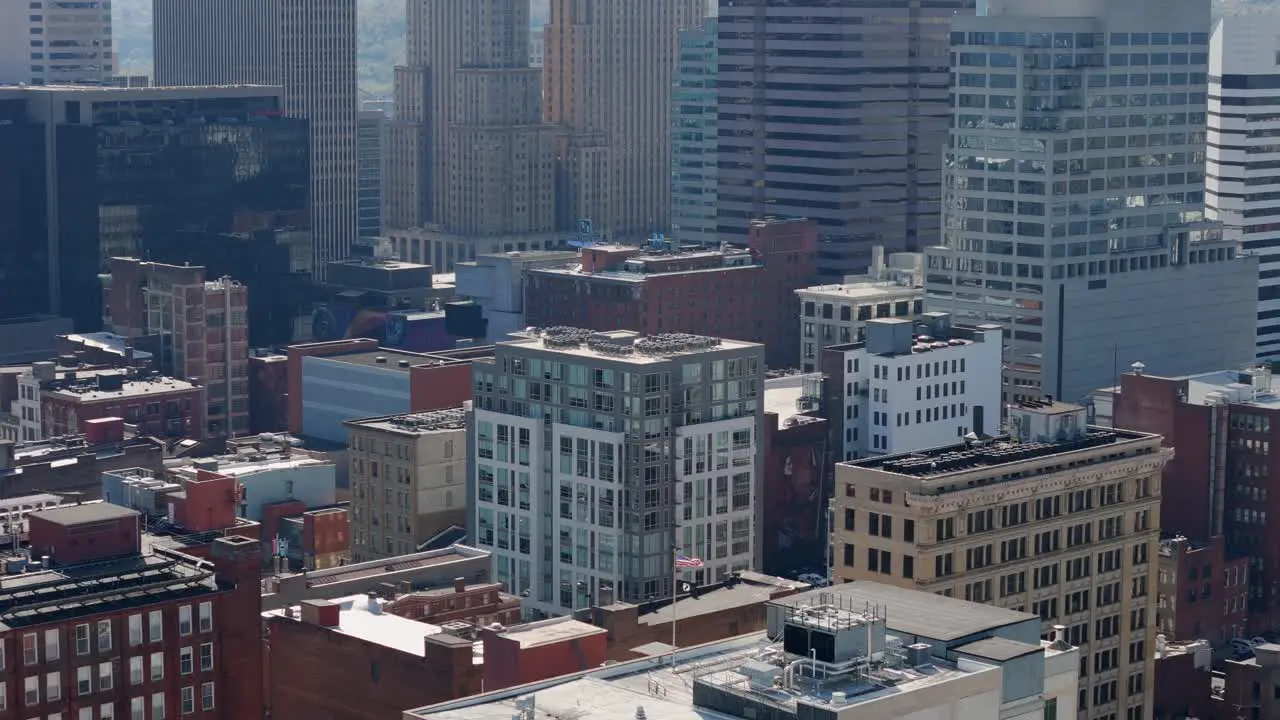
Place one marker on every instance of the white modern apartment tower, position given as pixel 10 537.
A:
pixel 1242 182
pixel 608 70
pixel 308 47
pixel 1074 196
pixel 597 453
pixel 919 384
pixel 52 42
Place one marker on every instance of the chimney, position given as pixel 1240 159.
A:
pixel 1059 638
pixel 459 584
pixel 877 262
pixel 321 612
pixel 374 602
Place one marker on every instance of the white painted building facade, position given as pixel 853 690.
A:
pixel 915 386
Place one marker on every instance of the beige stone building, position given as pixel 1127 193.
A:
pixel 1056 518
pixel 608 70
pixel 408 480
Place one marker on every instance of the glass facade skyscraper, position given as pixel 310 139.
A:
pixel 693 137
pixel 1073 199
pixel 157 173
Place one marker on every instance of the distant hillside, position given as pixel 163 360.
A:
pixel 381 38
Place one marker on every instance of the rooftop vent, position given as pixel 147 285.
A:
pixel 403 363
pixel 381 360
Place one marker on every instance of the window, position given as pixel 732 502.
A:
pixel 206 656
pixel 106 676
pixel 104 635
pixel 1051 709
pixel 4 695
pixel 31 690
pixel 848 555
pixel 52 645
pixel 186 660
pixel 206 616
pixel 135 670
pixel 188 700
pixel 53 686
pixel 107 711
pixel 137 709
pixel 155 626
pixel 157 706
pixel 908 566
pixel 82 639
pixel 206 696
pixel 30 649
pixel 85 713
pixel 135 630
pixel 157 666
pixel 184 620
pixel 84 680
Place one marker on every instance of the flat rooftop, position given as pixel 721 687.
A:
pixel 752 589
pixel 998 649
pixel 424 423
pixel 86 512
pixel 964 457
pixel 130 389
pixel 357 620
pixel 912 612
pixel 554 630
pixel 390 359
pixel 241 466
pixel 782 396
pixel 108 341
pixel 623 345
pixel 870 290
pixel 343 573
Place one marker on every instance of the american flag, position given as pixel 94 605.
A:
pixel 684 561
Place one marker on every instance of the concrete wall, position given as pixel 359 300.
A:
pixel 1176 320
pixel 313 485
pixel 334 391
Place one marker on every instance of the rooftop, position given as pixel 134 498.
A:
pixel 424 423
pixel 343 573
pixel 751 588
pixel 629 263
pixel 92 392
pixel 789 396
pixel 998 649
pixel 357 618
pixel 870 290
pixel 916 613
pixel 109 342
pixel 384 359
pixel 622 345
pixel 85 512
pixel 554 630
pixel 242 466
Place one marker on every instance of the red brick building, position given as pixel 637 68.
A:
pixel 268 393
pixel 795 485
pixel 172 638
pixel 1203 592
pixel 539 651
pixel 75 463
pixel 735 293
pixel 476 604
pixel 1225 427
pixel 157 406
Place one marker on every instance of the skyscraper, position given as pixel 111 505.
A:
pixel 470 162
pixel 694 170
pixel 608 69
pixel 373 125
pixel 596 453
pixel 107 171
pixel 836 112
pixel 1241 182
pixel 1074 196
pixel 308 47
pixel 56 42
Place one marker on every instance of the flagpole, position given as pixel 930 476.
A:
pixel 675 583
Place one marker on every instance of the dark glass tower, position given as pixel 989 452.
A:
pixel 213 176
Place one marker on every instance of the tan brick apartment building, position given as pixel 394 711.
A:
pixel 1057 519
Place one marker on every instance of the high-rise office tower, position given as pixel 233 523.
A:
pixel 105 171
pixel 1057 519
pixel 596 453
pixel 50 42
pixel 308 47
pixel 1074 196
pixel 373 124
pixel 1241 183
pixel 838 113
pixel 216 42
pixel 608 69
pixel 470 163
pixel 693 137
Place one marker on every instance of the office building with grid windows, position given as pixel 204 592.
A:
pixel 1057 518
pixel 597 453
pixel 1073 200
